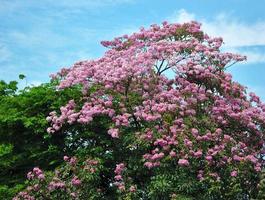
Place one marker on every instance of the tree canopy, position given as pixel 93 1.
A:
pixel 156 117
pixel 24 142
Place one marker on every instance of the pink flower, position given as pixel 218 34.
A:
pixel 119 168
pixel 198 154
pixel 188 143
pixel 37 171
pixel 234 173
pixel 183 162
pixel 73 160
pixel 209 158
pixel 41 176
pixel 53 185
pixel 172 154
pixel 65 158
pixel 30 175
pixel 194 132
pixel 75 181
pixel 114 132
pixel 149 165
pixel 237 158
pixel 252 159
pixel 257 168
pixel 118 177
pixel 157 156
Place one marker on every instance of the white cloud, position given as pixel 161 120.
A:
pixel 253 56
pixel 236 34
pixel 181 16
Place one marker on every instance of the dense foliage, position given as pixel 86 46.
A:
pixel 158 118
pixel 24 142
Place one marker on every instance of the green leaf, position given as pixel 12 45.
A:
pixel 21 76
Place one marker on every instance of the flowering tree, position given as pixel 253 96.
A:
pixel 174 123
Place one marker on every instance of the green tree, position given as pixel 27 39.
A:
pixel 24 142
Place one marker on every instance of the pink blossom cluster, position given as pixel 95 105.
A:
pixel 68 114
pixel 23 196
pixel 76 181
pixel 36 173
pixel 118 176
pixel 64 71
pixel 56 184
pixel 70 160
pixel 183 162
pixel 66 180
pixel 234 173
pixel 198 115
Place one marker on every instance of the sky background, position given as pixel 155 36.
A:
pixel 38 37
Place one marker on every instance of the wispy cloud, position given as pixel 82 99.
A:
pixel 236 34
pixel 39 37
pixel 254 55
pixel 181 16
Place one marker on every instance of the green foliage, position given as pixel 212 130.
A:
pixel 8 192
pixel 21 76
pixel 261 193
pixel 24 142
pixel 7 88
pixel 5 149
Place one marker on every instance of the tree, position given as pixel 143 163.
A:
pixel 170 122
pixel 24 142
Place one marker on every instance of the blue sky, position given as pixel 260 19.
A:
pixel 37 38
